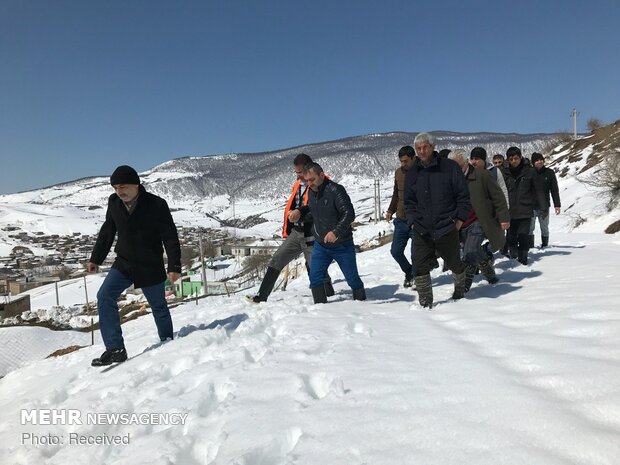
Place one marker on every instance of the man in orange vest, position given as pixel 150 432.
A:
pixel 298 236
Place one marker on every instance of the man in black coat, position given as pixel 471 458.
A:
pixel 546 183
pixel 143 222
pixel 332 215
pixel 523 195
pixel 437 204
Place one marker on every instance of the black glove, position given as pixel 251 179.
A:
pixel 544 213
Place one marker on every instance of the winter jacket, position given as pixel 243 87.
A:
pixel 397 205
pixel 331 210
pixel 489 203
pixel 139 252
pixel 291 204
pixel 435 196
pixel 521 190
pixel 547 183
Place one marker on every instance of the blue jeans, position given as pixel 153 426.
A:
pixel 344 255
pixel 544 223
pixel 109 321
pixel 402 234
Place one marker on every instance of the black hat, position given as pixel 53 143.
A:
pixel 537 156
pixel 478 152
pixel 124 175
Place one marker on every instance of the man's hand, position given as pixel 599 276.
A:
pixel 294 216
pixel 557 210
pixel 388 215
pixel 505 225
pixel 330 237
pixel 172 276
pixel 92 267
pixel 458 224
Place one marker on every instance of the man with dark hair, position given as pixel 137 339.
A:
pixel 332 213
pixel 498 161
pixel 523 194
pixel 546 183
pixel 143 222
pixel 402 232
pixel 437 204
pixel 298 235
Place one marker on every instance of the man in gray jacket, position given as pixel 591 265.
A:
pixel 332 214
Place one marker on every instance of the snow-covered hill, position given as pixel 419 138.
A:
pixel 523 372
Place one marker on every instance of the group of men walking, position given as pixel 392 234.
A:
pixel 449 206
pixel 458 209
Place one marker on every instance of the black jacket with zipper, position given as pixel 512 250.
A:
pixel 139 251
pixel 331 210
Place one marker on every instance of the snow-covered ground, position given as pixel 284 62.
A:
pixel 523 372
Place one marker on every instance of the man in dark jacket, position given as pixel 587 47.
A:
pixel 437 204
pixel 488 218
pixel 546 183
pixel 298 236
pixel 523 195
pixel 332 215
pixel 402 232
pixel 143 222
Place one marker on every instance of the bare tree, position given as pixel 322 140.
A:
pixel 607 178
pixel 256 264
pixel 188 254
pixel 593 124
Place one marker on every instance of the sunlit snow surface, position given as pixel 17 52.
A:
pixel 523 372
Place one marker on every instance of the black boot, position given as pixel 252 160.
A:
pixel 359 294
pixel 329 289
pixel 318 294
pixel 531 240
pixel 514 252
pixel 408 280
pixel 271 276
pixel 425 290
pixel 523 257
pixel 109 357
pixel 460 282
pixel 488 271
pixel 545 242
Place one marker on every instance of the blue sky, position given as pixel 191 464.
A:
pixel 89 85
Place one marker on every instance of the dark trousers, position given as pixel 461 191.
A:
pixel 447 247
pixel 109 321
pixel 402 234
pixel 517 235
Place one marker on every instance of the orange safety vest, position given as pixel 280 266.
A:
pixel 290 202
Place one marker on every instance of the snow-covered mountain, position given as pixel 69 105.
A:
pixel 267 175
pixel 211 191
pixel 524 372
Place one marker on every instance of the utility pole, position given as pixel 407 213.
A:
pixel 378 200
pixel 202 265
pixel 574 115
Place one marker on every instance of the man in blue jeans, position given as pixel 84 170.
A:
pixel 143 223
pixel 402 232
pixel 332 214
